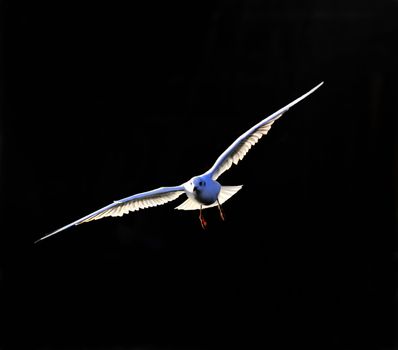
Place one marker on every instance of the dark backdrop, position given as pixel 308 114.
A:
pixel 106 99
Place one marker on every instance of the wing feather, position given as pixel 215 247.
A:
pixel 242 145
pixel 118 208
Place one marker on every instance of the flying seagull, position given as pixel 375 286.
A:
pixel 203 191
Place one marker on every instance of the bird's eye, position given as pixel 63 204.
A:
pixel 201 183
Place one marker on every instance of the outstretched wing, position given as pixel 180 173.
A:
pixel 244 143
pixel 133 203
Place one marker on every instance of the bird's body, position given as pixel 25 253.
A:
pixel 203 191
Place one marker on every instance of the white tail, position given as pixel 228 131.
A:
pixel 226 193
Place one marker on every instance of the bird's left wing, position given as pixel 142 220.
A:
pixel 136 202
pixel 244 143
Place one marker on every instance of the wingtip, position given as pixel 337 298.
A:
pixel 318 86
pixel 40 239
pixel 44 237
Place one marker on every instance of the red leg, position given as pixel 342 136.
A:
pixel 202 219
pixel 221 211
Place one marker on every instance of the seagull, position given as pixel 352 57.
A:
pixel 203 191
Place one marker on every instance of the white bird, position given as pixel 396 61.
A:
pixel 203 191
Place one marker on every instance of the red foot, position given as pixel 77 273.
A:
pixel 203 222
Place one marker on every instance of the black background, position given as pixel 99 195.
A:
pixel 106 99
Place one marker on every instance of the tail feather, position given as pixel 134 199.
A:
pixel 226 193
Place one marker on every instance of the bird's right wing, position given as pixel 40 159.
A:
pixel 136 202
pixel 236 152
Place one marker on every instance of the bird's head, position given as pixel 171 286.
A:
pixel 197 184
